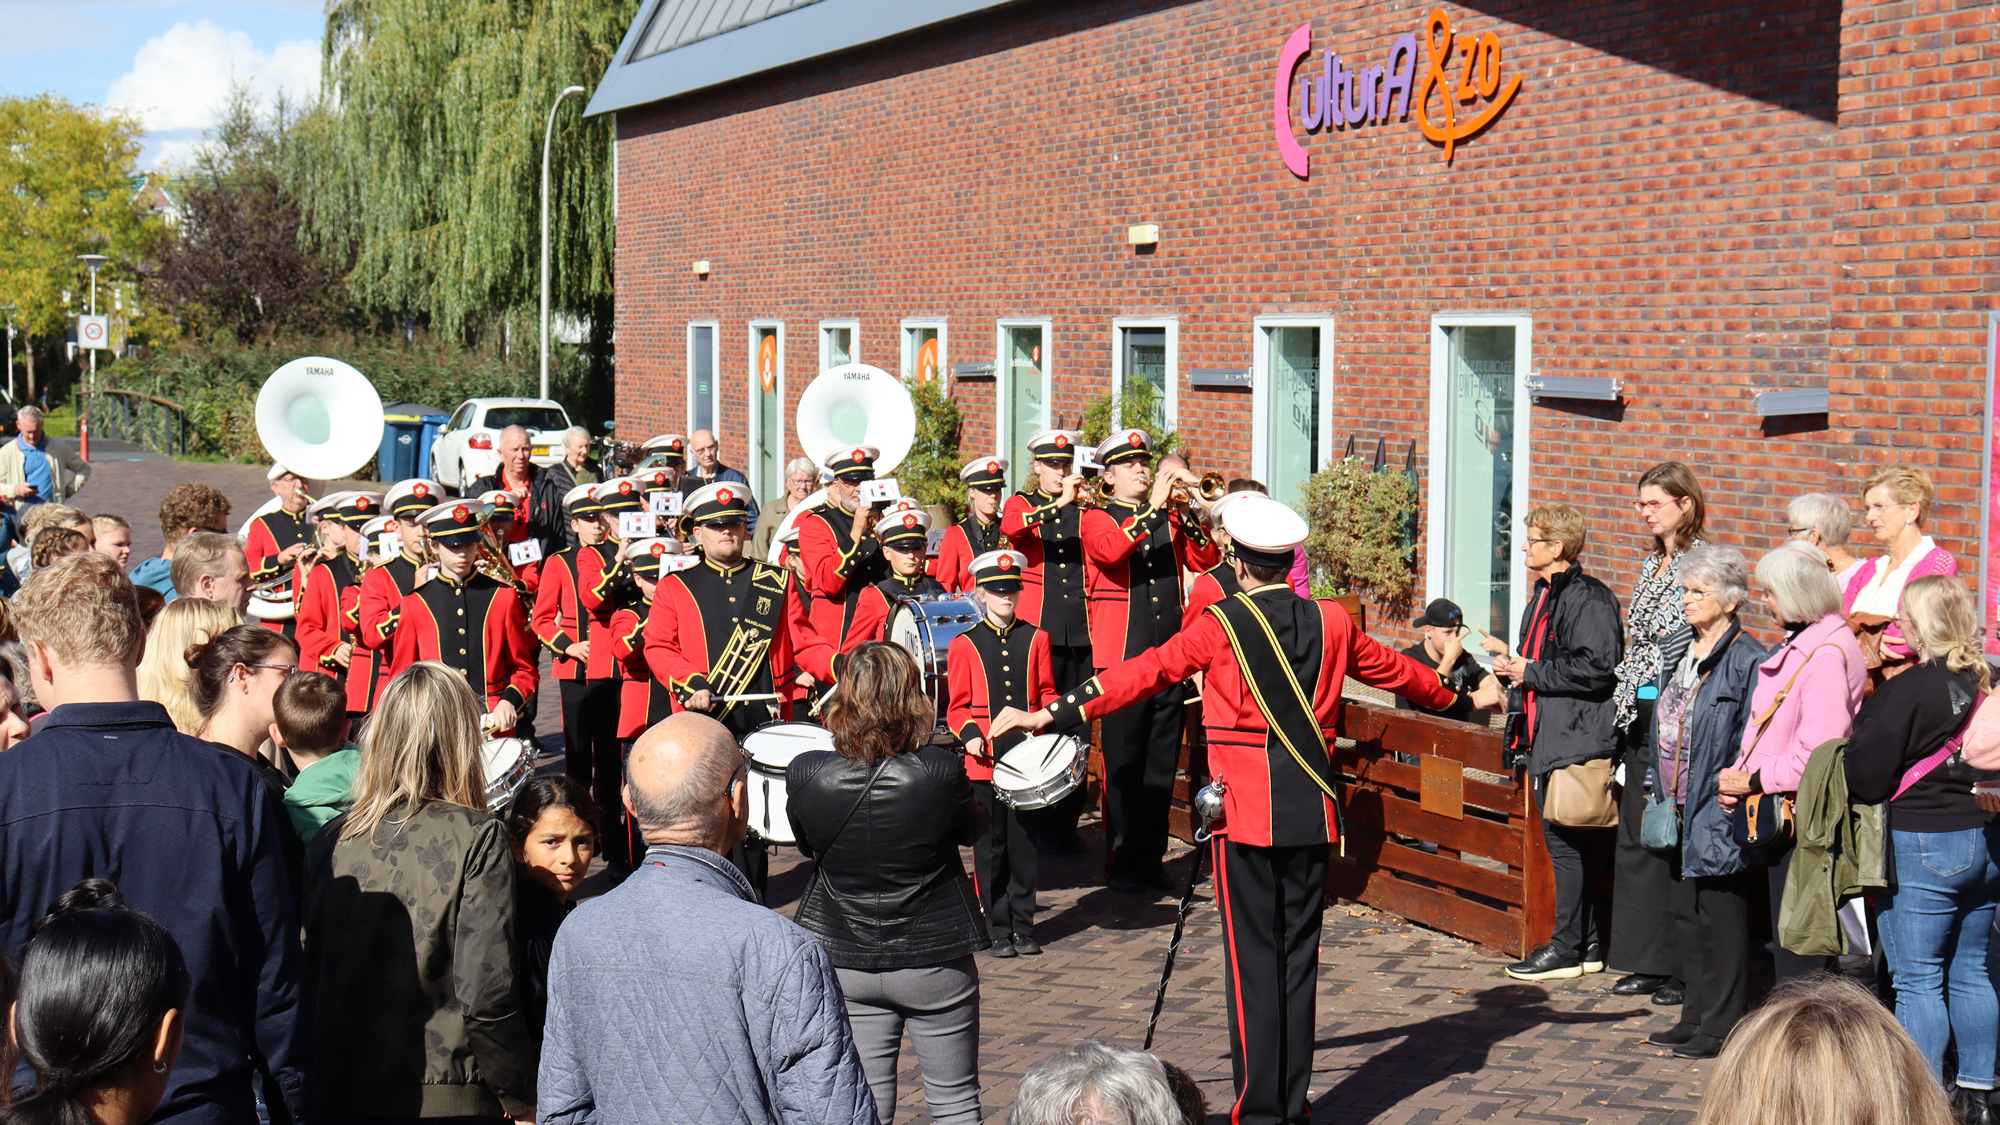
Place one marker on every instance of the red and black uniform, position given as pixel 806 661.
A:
pixel 1210 586
pixel 1271 848
pixel 329 615
pixel 269 536
pixel 478 626
pixel 964 541
pixel 989 669
pixel 589 687
pixel 1052 589
pixel 834 562
pixel 866 617
pixel 642 700
pixel 695 614
pixel 382 591
pixel 1133 555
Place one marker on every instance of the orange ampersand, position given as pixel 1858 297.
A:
pixel 1437 42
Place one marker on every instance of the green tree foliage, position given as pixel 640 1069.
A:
pixel 930 472
pixel 424 158
pixel 1138 408
pixel 69 174
pixel 1358 545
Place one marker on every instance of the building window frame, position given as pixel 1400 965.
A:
pixel 1172 324
pixel 1438 470
pixel 714 377
pixel 826 341
pixel 754 398
pixel 906 333
pixel 1003 392
pixel 1261 449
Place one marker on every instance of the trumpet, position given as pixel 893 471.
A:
pixel 1211 487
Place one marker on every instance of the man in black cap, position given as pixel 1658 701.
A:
pixel 1443 651
pixel 468 620
pixel 904 531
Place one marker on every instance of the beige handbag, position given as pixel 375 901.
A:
pixel 1581 796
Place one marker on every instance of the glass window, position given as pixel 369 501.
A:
pixel 1023 409
pixel 766 441
pixel 1473 487
pixel 1293 378
pixel 836 345
pixel 923 352
pixel 528 417
pixel 701 376
pixel 1145 362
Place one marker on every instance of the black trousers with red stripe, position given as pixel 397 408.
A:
pixel 1271 901
pixel 593 759
pixel 1141 746
pixel 1005 864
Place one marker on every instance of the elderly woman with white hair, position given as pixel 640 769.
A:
pixel 1096 1082
pixel 1805 694
pixel 1704 700
pixel 1825 521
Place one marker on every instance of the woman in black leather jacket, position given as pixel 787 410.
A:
pixel 885 815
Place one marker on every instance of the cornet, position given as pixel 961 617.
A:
pixel 1211 487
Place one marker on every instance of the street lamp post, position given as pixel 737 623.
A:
pixel 9 310
pixel 548 135
pixel 93 261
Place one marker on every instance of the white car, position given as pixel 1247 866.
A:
pixel 468 447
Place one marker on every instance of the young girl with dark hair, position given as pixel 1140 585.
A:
pixel 553 825
pixel 98 1016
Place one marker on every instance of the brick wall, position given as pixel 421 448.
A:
pixel 1702 199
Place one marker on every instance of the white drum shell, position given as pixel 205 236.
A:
pixel 509 764
pixel 771 748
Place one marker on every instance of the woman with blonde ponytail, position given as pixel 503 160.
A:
pixel 1936 923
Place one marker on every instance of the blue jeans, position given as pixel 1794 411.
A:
pixel 1934 934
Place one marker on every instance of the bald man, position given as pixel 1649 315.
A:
pixel 708 468
pixel 774 1044
pixel 538 493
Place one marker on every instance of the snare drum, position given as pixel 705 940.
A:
pixel 925 628
pixel 1039 772
pixel 509 764
pixel 771 748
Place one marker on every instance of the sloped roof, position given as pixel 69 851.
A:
pixel 676 47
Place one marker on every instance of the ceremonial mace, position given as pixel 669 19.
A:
pixel 1208 806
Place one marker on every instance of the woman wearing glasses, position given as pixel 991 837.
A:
pixel 1896 503
pixel 231 679
pixel 1671 507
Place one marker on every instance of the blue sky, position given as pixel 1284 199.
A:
pixel 171 61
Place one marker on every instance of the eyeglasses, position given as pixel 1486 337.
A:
pixel 1875 509
pixel 1648 507
pixel 1691 592
pixel 287 669
pixel 1796 532
pixel 1538 542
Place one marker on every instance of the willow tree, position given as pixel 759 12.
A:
pixel 423 160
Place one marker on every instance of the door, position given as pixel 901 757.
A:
pixel 1478 485
pixel 1024 371
pixel 701 377
pixel 767 399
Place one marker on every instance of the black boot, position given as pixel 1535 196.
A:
pixel 1971 1106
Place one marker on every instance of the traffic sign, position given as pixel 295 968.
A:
pixel 93 331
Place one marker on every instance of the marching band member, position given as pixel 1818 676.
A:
pixel 1218 581
pixel 468 619
pixel 726 633
pixel 1134 547
pixel 582 661
pixel 1045 524
pixel 329 603
pixel 1000 662
pixel 672 449
pixel 604 585
pixel 275 540
pixel 383 585
pixel 511 532
pixel 1274 664
pixel 643 699
pixel 836 539
pixel 904 533
pixel 979 532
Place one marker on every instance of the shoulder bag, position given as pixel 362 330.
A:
pixel 1581 796
pixel 1763 820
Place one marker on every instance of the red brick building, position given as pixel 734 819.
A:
pixel 1676 207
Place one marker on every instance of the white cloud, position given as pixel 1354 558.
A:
pixel 179 80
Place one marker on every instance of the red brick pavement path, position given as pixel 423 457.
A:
pixel 1415 1027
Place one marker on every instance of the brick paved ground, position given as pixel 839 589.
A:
pixel 1415 1027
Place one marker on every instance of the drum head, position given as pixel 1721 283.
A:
pixel 906 631
pixel 501 755
pixel 773 746
pixel 1035 761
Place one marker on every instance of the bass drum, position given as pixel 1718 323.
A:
pixel 771 748
pixel 925 628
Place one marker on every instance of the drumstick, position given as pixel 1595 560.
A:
pixel 746 698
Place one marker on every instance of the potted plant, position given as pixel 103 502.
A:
pixel 1360 541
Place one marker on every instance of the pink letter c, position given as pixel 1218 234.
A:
pixel 1281 99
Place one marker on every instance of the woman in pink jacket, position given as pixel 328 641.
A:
pixel 1804 694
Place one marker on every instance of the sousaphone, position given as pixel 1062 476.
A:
pixel 853 404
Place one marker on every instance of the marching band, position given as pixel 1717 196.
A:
pixel 1062 606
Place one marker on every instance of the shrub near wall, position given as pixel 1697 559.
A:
pixel 218 381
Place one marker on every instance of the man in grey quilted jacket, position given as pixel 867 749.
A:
pixel 678 997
